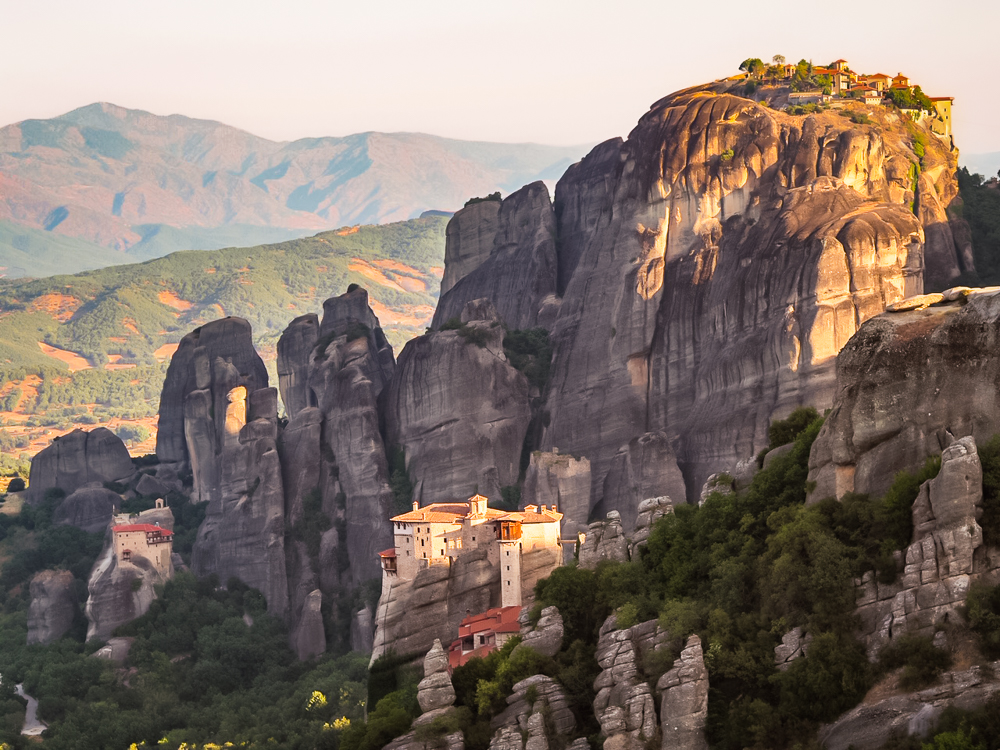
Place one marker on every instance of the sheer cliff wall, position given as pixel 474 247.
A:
pixel 709 268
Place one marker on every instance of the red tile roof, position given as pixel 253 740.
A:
pixel 391 552
pixel 147 527
pixel 531 515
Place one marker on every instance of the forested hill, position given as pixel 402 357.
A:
pixel 91 348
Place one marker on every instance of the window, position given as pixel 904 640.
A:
pixel 422 544
pixel 508 553
pixel 508 567
pixel 473 538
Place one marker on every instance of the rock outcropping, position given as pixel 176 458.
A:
pixel 53 606
pixel 561 481
pixel 458 410
pixel 89 508
pixel 517 274
pixel 939 566
pixel 78 459
pixel 522 725
pixel 907 382
pixel 684 706
pixel 708 270
pixel 228 339
pixel 624 705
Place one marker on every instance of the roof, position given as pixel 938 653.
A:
pixel 147 527
pixel 878 75
pixel 840 60
pixel 495 620
pixel 391 552
pixel 443 513
pixel 531 515
pixel 942 98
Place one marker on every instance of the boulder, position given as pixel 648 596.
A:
pixel 605 540
pixel 435 690
pixel 53 606
pixel 77 459
pixel 546 636
pixel 651 510
pixel 89 508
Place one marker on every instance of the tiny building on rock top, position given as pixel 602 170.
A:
pixel 438 533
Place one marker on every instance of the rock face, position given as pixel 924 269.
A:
pixel 644 468
pixel 228 339
pixel 310 637
pixel 939 565
pixel 469 241
pixel 794 644
pixel 546 636
pixel 413 614
pixel 684 707
pixel 870 726
pixel 53 606
pixel 459 411
pixel 624 704
pixel 77 459
pixel 520 269
pixel 521 726
pixel 710 268
pixel 907 382
pixel 605 540
pixel 560 481
pixel 435 691
pixel 89 508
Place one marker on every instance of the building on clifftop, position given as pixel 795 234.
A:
pixel 151 541
pixel 438 533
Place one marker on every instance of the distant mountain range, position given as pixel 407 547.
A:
pixel 103 185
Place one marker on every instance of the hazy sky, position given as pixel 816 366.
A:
pixel 560 72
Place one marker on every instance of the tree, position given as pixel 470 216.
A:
pixel 752 65
pixel 778 59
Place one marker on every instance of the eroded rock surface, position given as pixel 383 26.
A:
pixel 561 481
pixel 89 508
pixel 459 411
pixel 53 606
pixel 520 270
pixel 228 339
pixel 435 691
pixel 939 566
pixel 521 726
pixel 624 704
pixel 644 468
pixel 77 459
pixel 546 636
pixel 908 382
pixel 605 540
pixel 684 706
pixel 468 241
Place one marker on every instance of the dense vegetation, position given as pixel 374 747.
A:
pixel 981 209
pixel 740 571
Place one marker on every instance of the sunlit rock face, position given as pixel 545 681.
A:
pixel 711 267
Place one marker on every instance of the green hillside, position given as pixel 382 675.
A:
pixel 25 250
pixel 92 348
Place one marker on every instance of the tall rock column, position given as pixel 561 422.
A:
pixel 684 706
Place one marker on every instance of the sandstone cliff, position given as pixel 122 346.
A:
pixel 53 606
pixel 709 269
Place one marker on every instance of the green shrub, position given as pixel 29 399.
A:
pixel 982 610
pixel 491 197
pixel 922 661
pixel 989 455
pixel 783 431
pixel 530 351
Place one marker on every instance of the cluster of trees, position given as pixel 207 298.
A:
pixel 803 78
pixel 981 209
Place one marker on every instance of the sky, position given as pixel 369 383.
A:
pixel 561 72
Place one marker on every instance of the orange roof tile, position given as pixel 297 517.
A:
pixel 436 513
pixel 147 527
pixel 391 552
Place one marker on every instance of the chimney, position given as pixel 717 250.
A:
pixel 538 508
pixel 416 505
